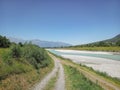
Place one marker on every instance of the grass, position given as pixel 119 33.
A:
pixel 77 81
pixel 110 49
pixel 24 81
pixel 18 73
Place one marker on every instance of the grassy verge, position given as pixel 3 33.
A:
pixel 77 81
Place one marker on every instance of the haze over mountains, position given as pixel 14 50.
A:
pixel 40 43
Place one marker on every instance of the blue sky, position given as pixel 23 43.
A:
pixel 71 21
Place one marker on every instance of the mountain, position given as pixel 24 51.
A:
pixel 49 43
pixel 40 42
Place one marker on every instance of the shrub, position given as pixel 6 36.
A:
pixel 15 51
pixel 4 42
pixel 35 55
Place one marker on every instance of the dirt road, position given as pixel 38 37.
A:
pixel 60 84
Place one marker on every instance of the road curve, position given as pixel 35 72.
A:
pixel 41 85
pixel 60 84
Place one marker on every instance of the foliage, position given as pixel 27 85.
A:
pixel 36 56
pixel 118 43
pixel 23 81
pixel 4 42
pixel 22 59
pixel 20 44
pixel 15 51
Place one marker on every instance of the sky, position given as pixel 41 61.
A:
pixel 70 21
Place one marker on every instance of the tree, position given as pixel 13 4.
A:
pixel 20 44
pixel 15 51
pixel 118 43
pixel 4 42
pixel 102 43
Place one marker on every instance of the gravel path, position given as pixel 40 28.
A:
pixel 60 84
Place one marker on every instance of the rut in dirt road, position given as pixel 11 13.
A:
pixel 60 84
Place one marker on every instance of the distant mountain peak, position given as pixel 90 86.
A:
pixel 40 43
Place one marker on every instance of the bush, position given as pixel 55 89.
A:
pixel 4 42
pixel 16 51
pixel 35 56
pixel 19 59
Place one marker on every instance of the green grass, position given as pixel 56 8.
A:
pixel 77 81
pixel 112 49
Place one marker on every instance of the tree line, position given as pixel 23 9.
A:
pixel 100 44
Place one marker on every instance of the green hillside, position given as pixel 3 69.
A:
pixel 112 44
pixel 115 41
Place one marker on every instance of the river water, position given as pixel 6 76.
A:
pixel 99 55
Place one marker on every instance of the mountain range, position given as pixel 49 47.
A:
pixel 40 43
pixel 51 44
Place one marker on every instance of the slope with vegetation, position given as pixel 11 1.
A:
pixel 22 65
pixel 112 44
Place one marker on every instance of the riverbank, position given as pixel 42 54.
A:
pixel 115 49
pixel 93 59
